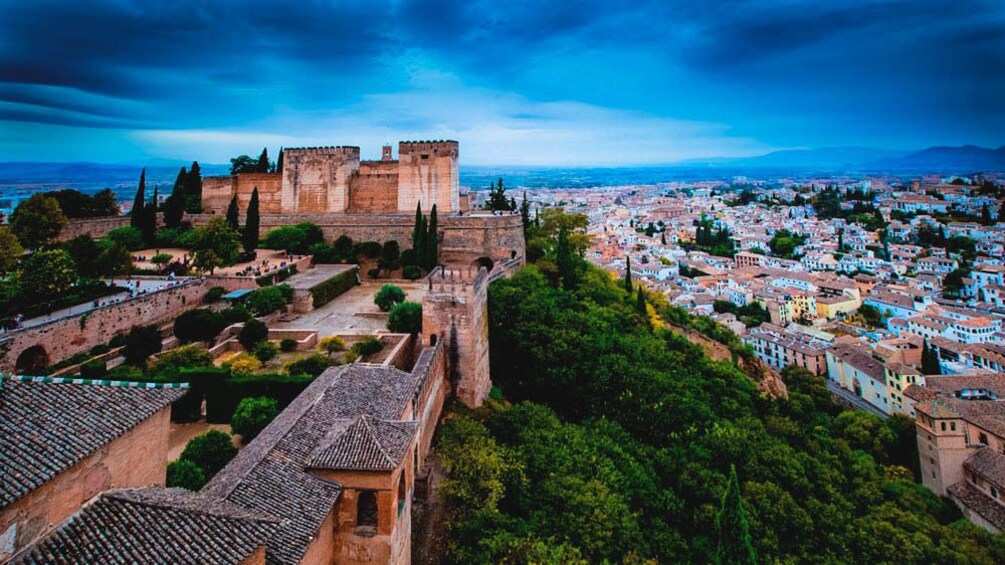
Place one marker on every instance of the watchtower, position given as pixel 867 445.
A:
pixel 427 174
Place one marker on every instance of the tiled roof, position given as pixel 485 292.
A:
pixel 365 444
pixel 270 474
pixel 979 502
pixel 153 526
pixel 49 425
pixel 989 464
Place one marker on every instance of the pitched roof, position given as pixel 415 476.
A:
pixel 48 425
pixel 153 525
pixel 364 444
pixel 989 464
pixel 979 502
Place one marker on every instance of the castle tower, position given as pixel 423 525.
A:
pixel 385 153
pixel 455 312
pixel 427 174
pixel 316 179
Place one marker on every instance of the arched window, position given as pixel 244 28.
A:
pixel 366 509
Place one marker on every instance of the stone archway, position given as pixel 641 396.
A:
pixel 486 262
pixel 31 361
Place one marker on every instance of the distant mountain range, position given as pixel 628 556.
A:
pixel 961 160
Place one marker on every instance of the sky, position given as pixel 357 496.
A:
pixel 563 83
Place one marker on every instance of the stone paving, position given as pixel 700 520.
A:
pixel 353 312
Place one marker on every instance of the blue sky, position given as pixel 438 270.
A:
pixel 523 83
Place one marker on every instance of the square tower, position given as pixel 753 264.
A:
pixel 427 174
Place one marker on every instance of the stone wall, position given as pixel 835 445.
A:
pixel 137 458
pixel 455 312
pixel 95 227
pixel 217 192
pixel 65 337
pixel 375 189
pixel 316 179
pixel 428 174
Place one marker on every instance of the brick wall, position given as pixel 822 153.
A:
pixel 428 173
pixel 138 458
pixel 374 190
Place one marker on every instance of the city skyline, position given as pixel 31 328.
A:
pixel 545 85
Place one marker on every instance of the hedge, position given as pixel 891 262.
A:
pixel 326 291
pixel 189 407
pixel 282 274
pixel 223 395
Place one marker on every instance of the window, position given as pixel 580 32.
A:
pixel 402 495
pixel 366 509
pixel 952 426
pixel 943 426
pixel 983 438
pixel 994 492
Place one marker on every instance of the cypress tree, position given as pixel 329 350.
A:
pixel 512 204
pixel 174 205
pixel 279 161
pixel 525 213
pixel 139 202
pixel 628 275
pixel 735 545
pixel 432 241
pixel 263 161
pixel 564 260
pixel 930 361
pixel 233 215
pixel 149 225
pixel 418 236
pixel 251 223
pixel 193 189
pixel 663 236
pixel 640 302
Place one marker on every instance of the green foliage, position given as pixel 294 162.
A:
pixel 210 451
pixel 294 239
pixel 784 243
pixel 252 415
pixel 405 317
pixel 326 291
pixel 266 300
pixel 312 365
pixel 215 294
pixel 388 296
pixel 252 222
pixel 233 215
pixel 253 333
pixel 218 238
pixel 200 324
pixel 497 200
pixel 11 249
pixel 185 474
pixel 734 543
pixel 243 164
pixel 182 357
pixel 141 343
pixel 266 351
pixel 138 211
pixel 76 204
pixel 94 369
pixel 45 275
pixel 871 315
pixel 37 220
pixel 288 344
pixel 752 315
pixel 369 346
pixel 411 272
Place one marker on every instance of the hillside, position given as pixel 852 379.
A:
pixel 616 440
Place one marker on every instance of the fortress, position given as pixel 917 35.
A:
pixel 372 200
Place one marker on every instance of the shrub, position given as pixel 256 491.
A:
pixel 215 294
pixel 161 259
pixel 117 340
pixel 277 276
pixel 252 415
pixel 266 351
pixel 93 369
pixel 235 315
pixel 210 451
pixel 141 343
pixel 373 273
pixel 331 344
pixel 127 236
pixel 288 344
pixel 253 333
pixel 408 257
pixel 312 365
pixel 99 349
pixel 388 296
pixel 369 249
pixel 185 474
pixel 350 357
pixel 244 364
pixel 287 291
pixel 368 346
pixel 198 325
pixel 223 395
pixel 405 318
pixel 411 272
pixel 266 300
pixel 326 291
pixel 181 357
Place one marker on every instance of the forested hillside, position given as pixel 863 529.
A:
pixel 616 440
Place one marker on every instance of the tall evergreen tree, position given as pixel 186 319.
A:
pixel 640 302
pixel 279 161
pixel 139 202
pixel 193 189
pixel 628 274
pixel 735 545
pixel 174 205
pixel 263 161
pixel 497 197
pixel 986 215
pixel 525 213
pixel 149 223
pixel 565 260
pixel 930 361
pixel 233 214
pixel 512 204
pixel 432 255
pixel 251 224
pixel 419 236
pixel 663 236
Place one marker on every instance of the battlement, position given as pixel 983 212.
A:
pixel 452 282
pixel 323 150
pixel 446 147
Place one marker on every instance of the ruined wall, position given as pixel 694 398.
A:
pixel 375 189
pixel 95 227
pixel 455 310
pixel 427 173
pixel 75 334
pixel 137 458
pixel 316 179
